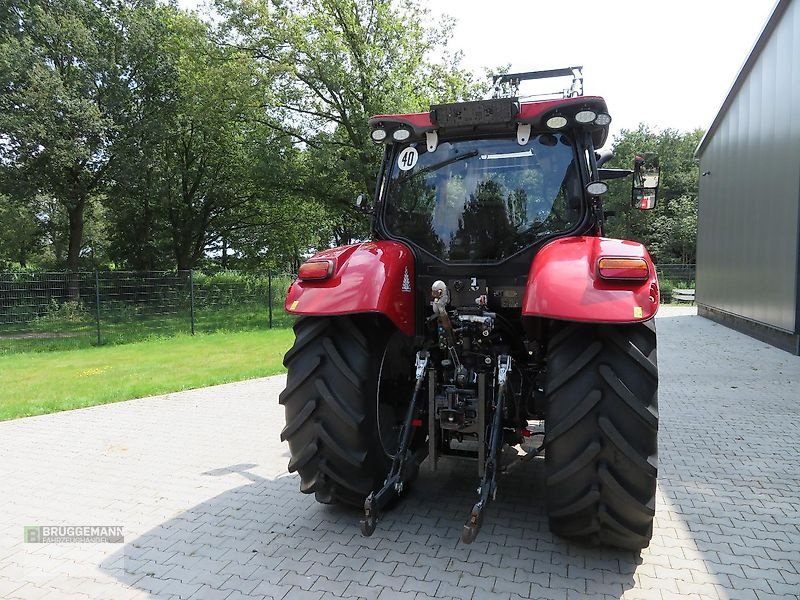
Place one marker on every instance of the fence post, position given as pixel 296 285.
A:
pixel 269 294
pixel 97 302
pixel 191 297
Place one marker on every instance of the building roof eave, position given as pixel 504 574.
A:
pixel 772 23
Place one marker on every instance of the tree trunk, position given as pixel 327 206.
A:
pixel 183 260
pixel 147 261
pixel 75 214
pixel 22 255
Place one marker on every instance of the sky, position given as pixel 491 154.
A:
pixel 669 64
pixel 666 63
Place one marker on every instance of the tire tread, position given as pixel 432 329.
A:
pixel 601 433
pixel 326 401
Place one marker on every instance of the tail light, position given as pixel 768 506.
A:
pixel 623 268
pixel 315 270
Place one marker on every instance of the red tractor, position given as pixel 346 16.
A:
pixel 488 300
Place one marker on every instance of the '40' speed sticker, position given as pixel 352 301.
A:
pixel 407 159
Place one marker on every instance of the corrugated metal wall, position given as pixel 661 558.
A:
pixel 749 211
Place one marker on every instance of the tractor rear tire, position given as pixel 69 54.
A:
pixel 332 415
pixel 601 433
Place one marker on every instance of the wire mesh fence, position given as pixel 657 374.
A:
pixel 678 274
pixel 55 311
pixel 60 311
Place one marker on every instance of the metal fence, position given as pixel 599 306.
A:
pixel 53 311
pixel 677 274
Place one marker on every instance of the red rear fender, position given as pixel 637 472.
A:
pixel 373 277
pixel 564 283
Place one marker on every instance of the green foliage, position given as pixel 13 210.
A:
pixel 668 285
pixel 63 314
pixel 137 136
pixel 21 231
pixel 670 230
pixel 66 80
pixel 333 64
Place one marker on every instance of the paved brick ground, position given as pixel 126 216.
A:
pixel 198 481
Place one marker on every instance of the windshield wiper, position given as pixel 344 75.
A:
pixel 436 166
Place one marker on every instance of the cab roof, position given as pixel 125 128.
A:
pixel 468 119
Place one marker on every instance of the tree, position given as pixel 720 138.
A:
pixel 64 84
pixel 199 171
pixel 186 171
pixel 22 233
pixel 157 139
pixel 281 222
pixel 670 230
pixel 333 64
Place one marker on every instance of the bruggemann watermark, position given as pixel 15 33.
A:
pixel 74 534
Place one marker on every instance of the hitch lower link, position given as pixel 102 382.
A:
pixel 488 488
pixel 404 463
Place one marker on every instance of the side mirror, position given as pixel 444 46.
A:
pixel 646 173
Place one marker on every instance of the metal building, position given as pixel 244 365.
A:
pixel 748 243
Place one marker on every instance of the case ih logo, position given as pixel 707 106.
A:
pixel 406 287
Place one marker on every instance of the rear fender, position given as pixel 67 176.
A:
pixel 564 283
pixel 373 277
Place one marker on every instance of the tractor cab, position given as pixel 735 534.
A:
pixel 481 182
pixel 476 189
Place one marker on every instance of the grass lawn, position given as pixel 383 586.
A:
pixel 39 383
pixel 52 334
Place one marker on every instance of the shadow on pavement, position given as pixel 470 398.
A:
pixel 264 537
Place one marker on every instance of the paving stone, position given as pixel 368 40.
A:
pixel 298 594
pixel 393 582
pixel 360 577
pixel 784 589
pixel 324 584
pixel 477 581
pixel 208 593
pixel 389 594
pixel 732 594
pixel 362 591
pixel 521 588
pixel 294 580
pixel 420 586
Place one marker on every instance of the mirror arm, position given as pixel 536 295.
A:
pixel 613 173
pixel 603 157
